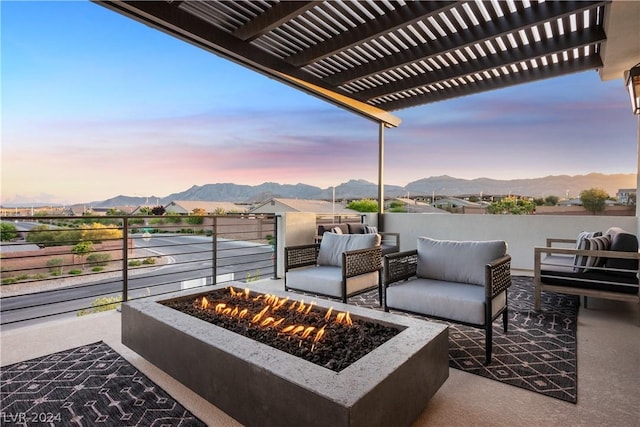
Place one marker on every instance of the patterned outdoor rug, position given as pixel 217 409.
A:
pixel 86 386
pixel 538 353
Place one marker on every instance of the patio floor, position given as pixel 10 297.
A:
pixel 608 373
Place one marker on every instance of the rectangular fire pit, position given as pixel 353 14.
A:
pixel 259 385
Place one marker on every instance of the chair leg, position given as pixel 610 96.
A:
pixel 488 345
pixel 505 319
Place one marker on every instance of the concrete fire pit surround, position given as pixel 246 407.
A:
pixel 259 385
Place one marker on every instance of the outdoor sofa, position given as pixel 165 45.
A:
pixel 390 242
pixel 602 265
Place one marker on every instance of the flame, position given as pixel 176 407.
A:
pixel 280 303
pixel 308 331
pixel 311 304
pixel 344 318
pixel 266 318
pixel 328 315
pixel 301 306
pixel 319 334
pixel 258 316
pixel 267 321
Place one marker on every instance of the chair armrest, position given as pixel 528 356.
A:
pixel 538 251
pixel 361 261
pixel 497 276
pixel 550 241
pixel 300 256
pixel 400 266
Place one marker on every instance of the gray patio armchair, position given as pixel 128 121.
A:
pixel 340 266
pixel 464 282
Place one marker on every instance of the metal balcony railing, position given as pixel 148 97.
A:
pixel 66 266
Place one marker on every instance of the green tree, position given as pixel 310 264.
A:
pixel 551 200
pixel 158 210
pixel 364 205
pixel 594 199
pixel 82 249
pixel 511 205
pixel 145 210
pixel 632 199
pixel 8 231
pixel 116 212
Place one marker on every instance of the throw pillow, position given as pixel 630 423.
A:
pixel 370 229
pixel 336 230
pixel 580 261
pixel 599 243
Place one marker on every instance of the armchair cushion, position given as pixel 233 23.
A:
pixel 446 300
pixel 457 261
pixel 333 245
pixel 327 280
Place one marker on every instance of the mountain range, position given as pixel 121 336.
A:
pixel 562 186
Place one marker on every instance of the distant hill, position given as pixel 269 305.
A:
pixel 556 185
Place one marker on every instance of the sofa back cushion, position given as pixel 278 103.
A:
pixel 622 241
pixel 333 245
pixel 324 228
pixel 457 261
pixel 356 228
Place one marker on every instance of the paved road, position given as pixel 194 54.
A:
pixel 189 263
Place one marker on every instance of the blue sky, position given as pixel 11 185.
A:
pixel 95 105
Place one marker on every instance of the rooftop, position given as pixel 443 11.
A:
pixel 608 370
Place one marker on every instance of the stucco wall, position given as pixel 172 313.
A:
pixel 521 232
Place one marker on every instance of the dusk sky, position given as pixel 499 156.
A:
pixel 95 105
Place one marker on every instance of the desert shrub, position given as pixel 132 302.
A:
pixel 55 266
pixel 102 304
pixel 195 220
pixel 99 259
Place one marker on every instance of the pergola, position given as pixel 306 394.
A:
pixel 376 57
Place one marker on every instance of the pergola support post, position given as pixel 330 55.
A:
pixel 380 175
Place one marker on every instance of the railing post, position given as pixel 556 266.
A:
pixel 214 250
pixel 275 247
pixel 125 258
